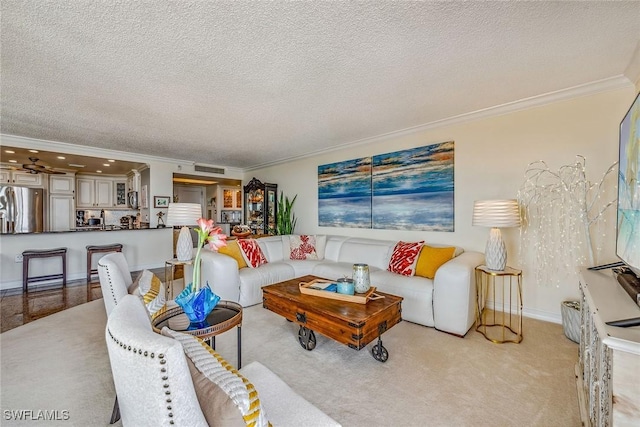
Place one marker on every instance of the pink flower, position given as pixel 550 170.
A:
pixel 206 233
pixel 217 239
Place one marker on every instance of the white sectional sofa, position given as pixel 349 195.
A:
pixel 447 302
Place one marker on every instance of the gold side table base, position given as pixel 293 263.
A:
pixel 499 321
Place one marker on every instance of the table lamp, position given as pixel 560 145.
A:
pixel 496 214
pixel 183 215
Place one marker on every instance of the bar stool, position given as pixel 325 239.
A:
pixel 92 249
pixel 43 253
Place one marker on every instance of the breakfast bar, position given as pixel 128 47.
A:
pixel 145 248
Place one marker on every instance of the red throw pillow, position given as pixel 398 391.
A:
pixel 404 258
pixel 302 247
pixel 252 252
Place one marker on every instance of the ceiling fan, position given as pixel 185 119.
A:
pixel 35 168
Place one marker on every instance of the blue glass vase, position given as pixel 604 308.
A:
pixel 197 305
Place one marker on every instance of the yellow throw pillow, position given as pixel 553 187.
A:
pixel 430 259
pixel 233 250
pixel 151 289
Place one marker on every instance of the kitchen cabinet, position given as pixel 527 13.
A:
pixel 62 202
pixel 94 192
pixel 260 207
pixel 21 178
pixel 133 181
pixel 120 193
pixel 62 184
pixel 61 212
pixel 231 198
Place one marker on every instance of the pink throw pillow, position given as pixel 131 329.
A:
pixel 404 258
pixel 251 252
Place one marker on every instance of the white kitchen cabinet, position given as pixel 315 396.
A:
pixel 133 181
pixel 21 178
pixel 61 212
pixel 94 192
pixel 62 184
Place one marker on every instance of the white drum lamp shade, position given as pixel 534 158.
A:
pixel 183 215
pixel 496 214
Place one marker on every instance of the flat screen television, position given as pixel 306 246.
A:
pixel 628 222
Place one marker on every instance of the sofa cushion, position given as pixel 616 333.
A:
pixel 431 258
pixel 417 305
pixel 404 258
pixel 272 247
pixel 335 270
pixel 253 279
pixel 220 373
pixel 151 289
pixel 252 253
pixel 302 267
pixel 233 250
pixel 366 251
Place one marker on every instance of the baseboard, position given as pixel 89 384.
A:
pixel 532 313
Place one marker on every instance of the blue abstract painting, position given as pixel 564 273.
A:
pixel 344 194
pixel 413 189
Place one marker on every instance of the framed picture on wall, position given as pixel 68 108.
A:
pixel 161 201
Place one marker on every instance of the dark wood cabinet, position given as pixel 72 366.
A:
pixel 260 206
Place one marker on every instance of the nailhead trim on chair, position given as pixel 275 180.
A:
pixel 115 302
pixel 165 378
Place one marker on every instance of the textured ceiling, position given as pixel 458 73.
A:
pixel 243 84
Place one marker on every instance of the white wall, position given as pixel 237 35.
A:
pixel 491 156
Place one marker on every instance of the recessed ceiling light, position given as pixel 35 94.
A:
pixel 111 161
pixel 10 151
pixel 99 171
pixel 106 164
pixel 33 151
pixel 73 165
pixel 61 157
pixel 13 161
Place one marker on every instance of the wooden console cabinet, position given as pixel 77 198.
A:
pixel 608 369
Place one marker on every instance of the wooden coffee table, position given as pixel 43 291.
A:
pixel 353 324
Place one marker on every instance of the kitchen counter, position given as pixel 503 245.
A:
pixel 144 248
pixel 85 228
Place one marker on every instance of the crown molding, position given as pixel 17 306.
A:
pixel 604 85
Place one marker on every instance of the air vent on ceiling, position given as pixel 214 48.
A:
pixel 208 169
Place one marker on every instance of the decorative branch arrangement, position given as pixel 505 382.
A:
pixel 563 218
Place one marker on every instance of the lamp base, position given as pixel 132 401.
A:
pixel 495 253
pixel 184 245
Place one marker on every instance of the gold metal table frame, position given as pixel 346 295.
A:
pixel 499 321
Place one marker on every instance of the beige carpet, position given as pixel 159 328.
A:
pixel 431 378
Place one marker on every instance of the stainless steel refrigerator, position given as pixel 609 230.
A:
pixel 21 210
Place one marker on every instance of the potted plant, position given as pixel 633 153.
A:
pixel 285 218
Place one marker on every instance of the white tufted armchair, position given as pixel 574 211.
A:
pixel 115 279
pixel 155 387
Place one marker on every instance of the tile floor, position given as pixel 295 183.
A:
pixel 18 308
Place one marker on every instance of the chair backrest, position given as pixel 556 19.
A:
pixel 115 279
pixel 150 371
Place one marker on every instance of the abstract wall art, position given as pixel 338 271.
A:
pixel 404 190
pixel 413 189
pixel 344 194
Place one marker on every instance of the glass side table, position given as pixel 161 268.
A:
pixel 169 271
pixel 225 316
pixel 499 304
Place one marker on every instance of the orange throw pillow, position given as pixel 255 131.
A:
pixel 430 259
pixel 233 250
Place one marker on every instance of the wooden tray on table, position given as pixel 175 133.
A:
pixel 308 289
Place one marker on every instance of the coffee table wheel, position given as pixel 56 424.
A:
pixel 379 352
pixel 307 338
